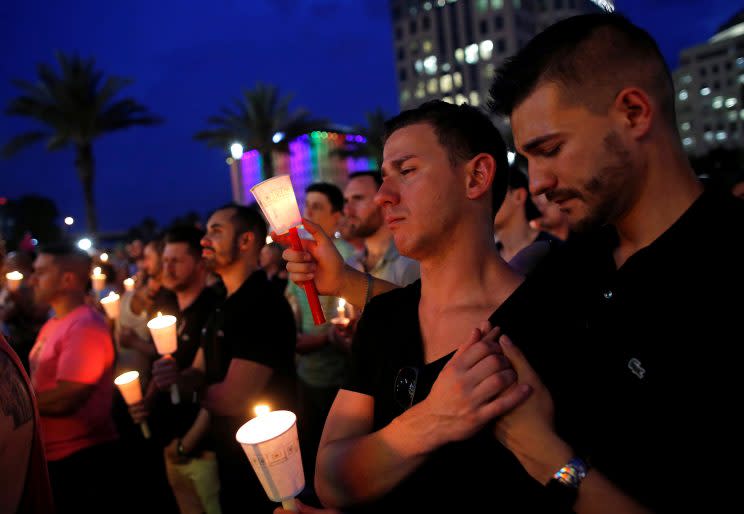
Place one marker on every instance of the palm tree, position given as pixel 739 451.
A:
pixel 254 119
pixel 373 132
pixel 75 106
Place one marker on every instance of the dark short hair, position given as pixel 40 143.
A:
pixel 158 243
pixel 69 257
pixel 464 132
pixel 246 218
pixel 518 180
pixel 331 191
pixel 189 235
pixel 374 175
pixel 591 58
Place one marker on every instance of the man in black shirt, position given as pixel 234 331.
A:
pixel 650 292
pixel 247 351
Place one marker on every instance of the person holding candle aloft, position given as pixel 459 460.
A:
pixel 72 373
pixel 246 353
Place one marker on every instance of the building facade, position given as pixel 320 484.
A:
pixel 450 49
pixel 709 87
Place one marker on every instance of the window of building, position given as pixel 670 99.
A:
pixel 730 102
pixel 501 46
pixel 402 75
pixel 483 27
pixel 448 99
pixel 426 23
pixel 498 22
pixel 412 26
pixel 401 53
pixel 396 13
pixel 405 95
pixel 420 90
pixel 430 65
pixel 716 85
pixel 517 4
pixel 482 5
pixel 558 4
pixel 489 70
pixel 721 135
pixel 460 99
pixel 471 54
pixel 728 66
pixel 427 6
pixel 460 55
pixel 708 136
pixel 419 66
pixel 497 4
pixel 686 79
pixel 740 62
pixel 426 46
pixel 731 116
pixel 703 72
pixel 688 141
pixel 705 91
pixel 398 33
pixel 457 79
pixel 683 95
pixel 474 98
pixel 685 126
pixel 445 83
pixel 715 68
pixel 446 67
pixel 486 49
pixel 432 86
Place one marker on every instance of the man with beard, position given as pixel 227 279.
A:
pixel 190 463
pixel 651 376
pixel 247 351
pixel 380 257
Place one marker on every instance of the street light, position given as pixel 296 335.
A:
pixel 85 244
pixel 69 220
pixel 236 150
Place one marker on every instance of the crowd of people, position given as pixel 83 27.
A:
pixel 559 338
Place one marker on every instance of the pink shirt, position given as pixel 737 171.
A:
pixel 76 348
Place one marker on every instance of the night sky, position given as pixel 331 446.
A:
pixel 188 58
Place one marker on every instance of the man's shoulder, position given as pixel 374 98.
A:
pixel 395 302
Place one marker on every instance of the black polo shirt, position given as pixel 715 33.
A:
pixel 653 371
pixel 256 324
pixel 170 421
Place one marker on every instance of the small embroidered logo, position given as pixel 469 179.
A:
pixel 634 365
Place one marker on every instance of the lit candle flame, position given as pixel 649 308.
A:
pixel 96 271
pixel 260 410
pixel 160 314
pixel 341 303
pixel 104 257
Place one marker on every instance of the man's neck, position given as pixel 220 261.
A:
pixel 190 294
pixel 271 270
pixel 67 303
pixel 237 273
pixel 376 245
pixel 515 235
pixel 669 190
pixel 466 270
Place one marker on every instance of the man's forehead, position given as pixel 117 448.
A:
pixel 316 196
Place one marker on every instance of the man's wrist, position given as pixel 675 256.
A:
pixel 543 460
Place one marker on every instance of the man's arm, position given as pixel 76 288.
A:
pixel 233 396
pixel 66 398
pixel 165 373
pixel 527 431
pixel 355 465
pixel 322 262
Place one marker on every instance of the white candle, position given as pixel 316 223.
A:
pixel 98 279
pixel 14 279
pixel 163 330
pixel 129 284
pixel 270 442
pixel 104 257
pixel 129 386
pixel 341 319
pixel 111 305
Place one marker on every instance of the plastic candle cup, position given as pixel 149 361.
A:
pixel 163 331
pixel 14 279
pixel 98 279
pixel 129 386
pixel 111 305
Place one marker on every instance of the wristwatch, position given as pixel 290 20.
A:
pixel 564 486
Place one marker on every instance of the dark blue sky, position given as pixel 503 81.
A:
pixel 190 57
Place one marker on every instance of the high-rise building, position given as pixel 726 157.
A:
pixel 709 86
pixel 449 49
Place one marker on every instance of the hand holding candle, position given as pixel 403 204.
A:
pixel 111 305
pixel 98 279
pixel 163 330
pixel 129 386
pixel 270 442
pixel 14 279
pixel 277 200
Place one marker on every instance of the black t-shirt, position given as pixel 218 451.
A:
pixel 469 476
pixel 655 362
pixel 169 421
pixel 255 323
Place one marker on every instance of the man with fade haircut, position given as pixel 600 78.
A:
pixel 72 373
pixel 247 351
pixel 591 103
pixel 404 430
pixel 653 356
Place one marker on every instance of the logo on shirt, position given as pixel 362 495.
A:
pixel 634 365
